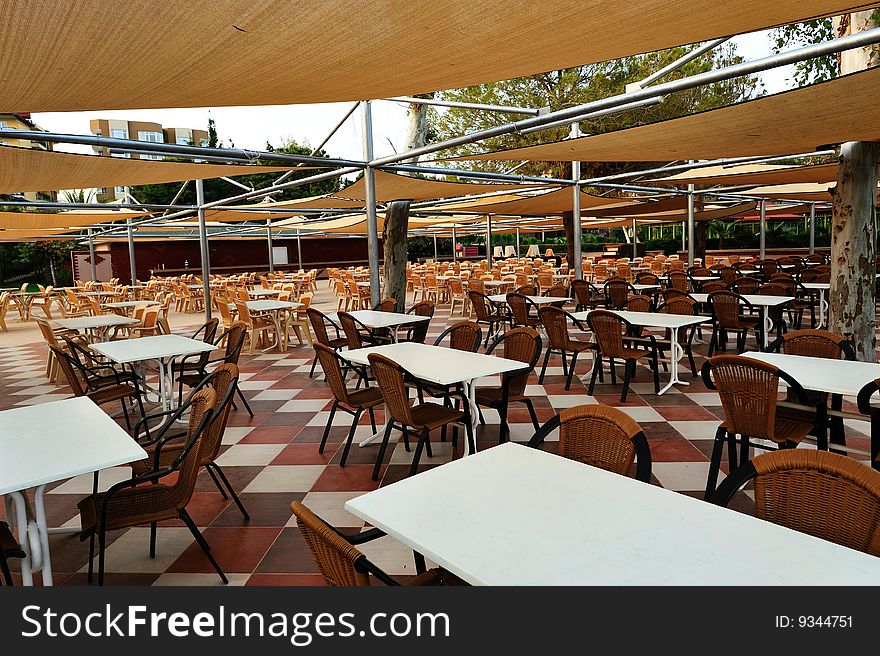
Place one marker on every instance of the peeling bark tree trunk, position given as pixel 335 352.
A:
pixel 853 233
pixel 568 224
pixel 853 236
pixel 395 246
pixel 417 125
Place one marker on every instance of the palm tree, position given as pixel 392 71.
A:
pixel 721 230
pixel 79 196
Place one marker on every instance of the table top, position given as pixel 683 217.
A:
pixel 265 306
pixel 101 321
pixel 703 278
pixel 537 300
pixel 101 293
pixel 376 319
pixel 845 377
pixel 512 515
pixel 651 319
pixel 126 304
pixel 437 364
pixel 816 285
pixel 57 440
pixel 151 348
pixel 644 288
pixel 754 299
pixel 264 292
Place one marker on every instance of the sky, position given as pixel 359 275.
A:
pixel 253 127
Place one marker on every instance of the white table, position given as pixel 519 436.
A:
pixel 126 305
pixel 764 301
pixel 537 300
pixel 658 320
pixel 439 365
pixel 161 348
pixel 645 288
pixel 50 442
pixel 392 320
pixel 275 309
pixel 101 323
pixel 264 292
pixel 822 287
pixel 512 515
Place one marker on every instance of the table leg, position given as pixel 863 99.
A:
pixel 675 353
pixel 821 308
pixel 20 502
pixel 768 325
pixel 42 534
pixel 164 387
pixel 470 393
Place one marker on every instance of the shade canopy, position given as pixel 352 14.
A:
pixel 62 220
pixel 752 174
pixel 26 169
pixel 553 202
pixel 801 120
pixel 262 52
pixel 390 186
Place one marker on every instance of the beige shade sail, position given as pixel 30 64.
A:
pixel 247 213
pixel 26 169
pixel 390 186
pixel 553 202
pixel 805 192
pixel 801 120
pixel 752 174
pixel 267 52
pixel 35 221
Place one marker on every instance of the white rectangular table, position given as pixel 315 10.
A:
pixel 101 323
pixel 673 322
pixel 764 301
pixel 537 300
pixel 161 348
pixel 275 309
pixel 391 320
pixel 439 365
pixel 512 515
pixel 50 442
pixel 257 293
pixel 645 288
pixel 822 288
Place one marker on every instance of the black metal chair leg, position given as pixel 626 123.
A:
pixel 191 525
pixel 314 362
pixel 574 359
pixel 372 419
pixel 91 559
pixel 217 483
pixel 419 560
pixel 382 449
pixel 597 367
pixel 102 544
pixel 229 487
pixel 327 427
pixel 532 413
pixel 715 463
pixel 626 377
pixel 423 437
pixel 544 368
pixel 153 527
pixel 350 438
pixel 244 400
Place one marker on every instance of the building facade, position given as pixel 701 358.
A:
pixel 140 131
pixel 24 122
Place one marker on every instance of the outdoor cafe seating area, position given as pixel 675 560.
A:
pixel 258 430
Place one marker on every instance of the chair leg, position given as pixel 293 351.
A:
pixel 628 366
pixel 574 359
pixel 715 463
pixel 229 487
pixel 382 449
pixel 504 430
pixel 564 363
pixel 244 400
pixel 544 368
pixel 372 419
pixel 206 548
pixel 656 373
pixel 327 427
pixel 354 423
pixel 91 559
pixel 613 371
pixel 532 413
pixel 714 341
pixel 102 544
pixel 597 367
pixel 125 413
pixel 423 438
pixel 314 362
pixel 217 482
pixel 153 527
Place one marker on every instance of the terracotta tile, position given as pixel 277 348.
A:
pixel 235 549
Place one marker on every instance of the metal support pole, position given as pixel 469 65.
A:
pixel 203 244
pixel 577 230
pixel 299 249
pixel 269 242
pixel 453 245
pixel 92 257
pixel 812 228
pixel 684 235
pixel 635 240
pixel 691 226
pixel 370 193
pixel 763 237
pixel 131 262
pixel 518 252
pixel 489 240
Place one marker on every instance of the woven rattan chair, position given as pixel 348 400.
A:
pixel 727 314
pixel 423 417
pixel 147 499
pixel 615 340
pixel 342 564
pixel 601 436
pixel 749 391
pixel 586 295
pixel 646 278
pixel 486 313
pixel 523 311
pixel 463 336
pixel 224 381
pixel 9 548
pixel 524 345
pixel 824 494
pixel 617 290
pixel 677 280
pixel 193 368
pixel 746 285
pixel 526 290
pixel 557 291
pixel 387 305
pixel 320 323
pixel 353 402
pixel 556 322
pixel 418 332
pixel 639 303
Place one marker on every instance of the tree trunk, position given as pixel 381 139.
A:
pixel 417 125
pixel 853 232
pixel 568 224
pixel 395 246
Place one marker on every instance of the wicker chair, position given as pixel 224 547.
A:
pixel 601 436
pixel 615 340
pixel 749 392
pixel 256 324
pixel 342 564
pixel 727 313
pixel 524 345
pixel 146 499
pixel 418 332
pixel 677 280
pixel 587 296
pixel 523 311
pixel 9 548
pixel 824 494
pixel 196 365
pixel 557 291
pixel 646 278
pixel 424 417
pixel 639 303
pixel 746 285
pixel 526 290
pixel 352 402
pixel 486 313
pixel 387 305
pixel 559 340
pixel 320 323
pixel 463 336
pixel 617 290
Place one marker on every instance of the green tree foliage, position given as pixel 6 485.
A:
pixel 805 34
pixel 574 86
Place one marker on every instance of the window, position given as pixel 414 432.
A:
pixel 119 191
pixel 119 133
pixel 147 156
pixel 203 143
pixel 183 141
pixel 101 191
pixel 120 154
pixel 153 137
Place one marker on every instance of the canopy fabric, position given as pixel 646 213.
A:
pixel 26 169
pixel 39 221
pixel 553 202
pixel 390 186
pixel 801 120
pixel 246 213
pixel 752 174
pixel 267 52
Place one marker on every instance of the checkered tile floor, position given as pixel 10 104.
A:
pixel 273 458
